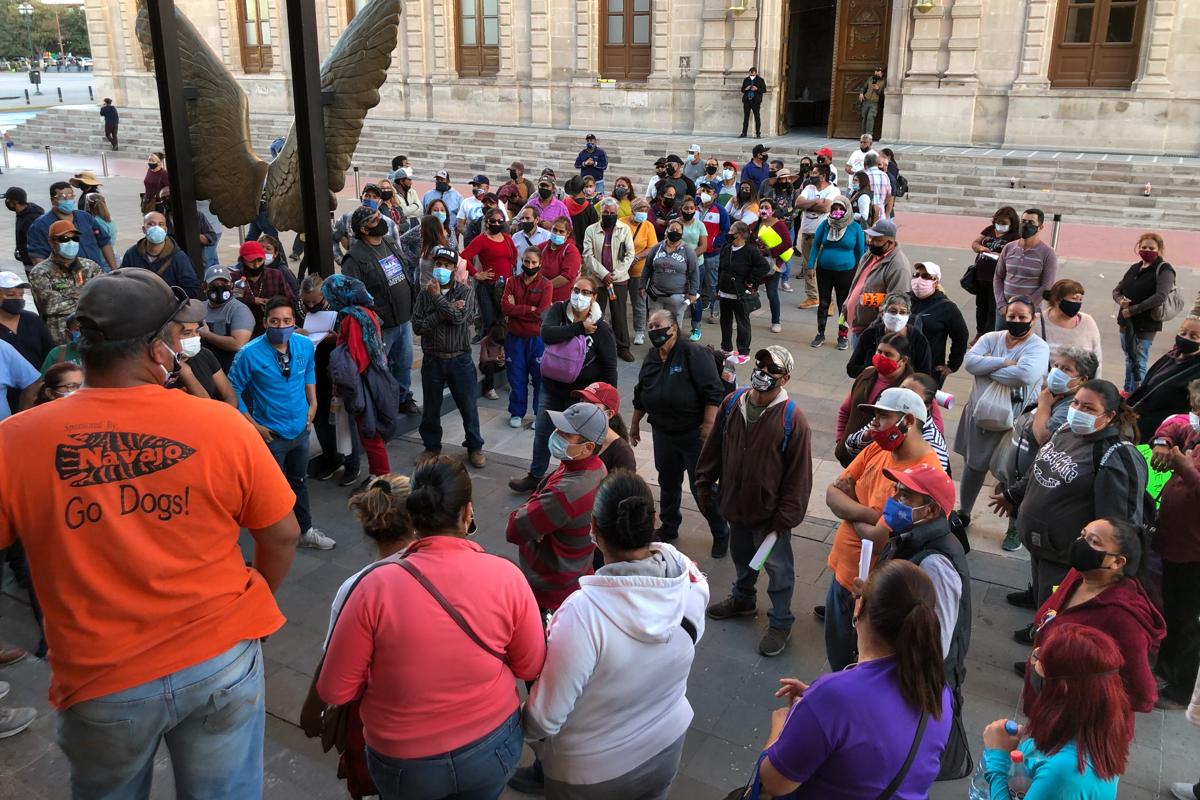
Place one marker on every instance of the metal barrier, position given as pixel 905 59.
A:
pixel 1054 234
pixel 49 160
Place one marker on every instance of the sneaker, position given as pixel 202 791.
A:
pixel 662 534
pixel 1012 540
pixel 1022 599
pixel 741 359
pixel 526 484
pixel 843 343
pixel 514 421
pixel 817 341
pixel 350 476
pixel 730 607
pixel 5 688
pixel 1019 667
pixel 490 394
pixel 776 327
pixel 811 302
pixel 787 287
pixel 529 780
pixel 410 407
pixel 819 612
pixel 964 519
pixel 315 539
pixel 326 470
pixel 639 338
pixel 426 456
pixel 1024 636
pixel 11 655
pixel 15 720
pixel 625 355
pixel 711 318
pixel 774 641
pixel 1183 791
pixel 476 459
pixel 695 336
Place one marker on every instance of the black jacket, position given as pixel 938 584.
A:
pixel 921 358
pixel 600 361
pixel 26 217
pixel 172 265
pixel 1163 392
pixel 675 394
pixel 940 321
pixel 393 300
pixel 756 97
pixel 742 270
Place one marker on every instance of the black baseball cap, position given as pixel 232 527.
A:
pixel 16 194
pixel 674 159
pixel 444 254
pixel 131 303
pixel 760 148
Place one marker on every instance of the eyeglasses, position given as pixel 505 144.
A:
pixel 73 237
pixel 67 196
pixel 584 292
pixel 64 389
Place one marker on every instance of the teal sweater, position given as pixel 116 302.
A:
pixel 1053 777
pixel 839 256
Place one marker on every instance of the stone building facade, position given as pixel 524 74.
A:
pixel 1102 74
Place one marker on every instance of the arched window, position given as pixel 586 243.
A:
pixel 625 39
pixel 254 31
pixel 478 37
pixel 1097 43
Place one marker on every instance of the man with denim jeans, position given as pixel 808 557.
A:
pixel 716 224
pixel 152 616
pixel 755 469
pixel 275 380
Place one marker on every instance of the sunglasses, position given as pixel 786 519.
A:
pixel 770 369
pixel 74 237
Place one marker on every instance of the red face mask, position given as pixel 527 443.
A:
pixel 891 437
pixel 884 365
pixel 1149 256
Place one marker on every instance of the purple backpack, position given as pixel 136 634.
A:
pixel 563 362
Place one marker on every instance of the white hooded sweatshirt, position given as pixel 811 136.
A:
pixel 612 694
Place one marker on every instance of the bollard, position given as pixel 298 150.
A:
pixel 104 163
pixel 26 97
pixel 4 150
pixel 49 160
pixel 357 189
pixel 60 94
pixel 1054 236
pixel 91 95
pixel 241 233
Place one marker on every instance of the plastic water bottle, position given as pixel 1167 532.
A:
pixel 1018 776
pixel 980 789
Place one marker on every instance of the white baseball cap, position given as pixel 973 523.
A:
pixel 694 148
pixel 933 269
pixel 11 280
pixel 899 400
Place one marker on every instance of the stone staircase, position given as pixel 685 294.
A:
pixel 1083 187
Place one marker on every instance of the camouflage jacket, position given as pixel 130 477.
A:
pixel 56 291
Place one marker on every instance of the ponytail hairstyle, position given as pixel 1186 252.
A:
pixel 623 512
pixel 1125 418
pixel 381 510
pixel 438 493
pixel 899 602
pixel 1131 542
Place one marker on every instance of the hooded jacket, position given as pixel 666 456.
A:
pixel 942 322
pixel 621 636
pixel 921 357
pixel 1125 613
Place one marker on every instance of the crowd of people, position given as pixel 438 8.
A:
pixel 601 615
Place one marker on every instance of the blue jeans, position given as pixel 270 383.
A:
pixel 292 457
pixel 781 574
pixel 772 284
pixel 708 277
pixel 841 642
pixel 523 366
pixel 211 716
pixel 457 373
pixel 398 341
pixel 1141 347
pixel 476 771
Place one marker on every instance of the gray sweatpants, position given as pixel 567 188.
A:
pixel 650 780
pixel 676 303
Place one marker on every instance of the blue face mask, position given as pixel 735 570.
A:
pixel 639 216
pixel 558 447
pixel 898 516
pixel 371 203
pixel 1080 422
pixel 280 335
pixel 75 336
pixel 156 234
pixel 441 275
pixel 557 239
pixel 1058 382
pixel 440 216
pixel 68 250
pixel 67 206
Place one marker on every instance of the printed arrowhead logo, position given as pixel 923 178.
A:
pixel 113 456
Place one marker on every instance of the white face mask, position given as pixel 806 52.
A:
pixel 894 322
pixel 998 228
pixel 269 259
pixel 580 302
pixel 190 346
pixel 1194 420
pixel 727 174
pixel 705 198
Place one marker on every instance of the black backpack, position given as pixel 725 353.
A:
pixel 901 186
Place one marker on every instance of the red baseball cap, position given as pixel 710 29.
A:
pixel 600 393
pixel 929 481
pixel 825 151
pixel 250 251
pixel 731 164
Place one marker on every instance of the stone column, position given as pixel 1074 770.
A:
pixel 1035 47
pixel 926 45
pixel 1158 29
pixel 965 19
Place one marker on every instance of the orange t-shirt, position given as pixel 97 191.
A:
pixel 129 504
pixel 872 489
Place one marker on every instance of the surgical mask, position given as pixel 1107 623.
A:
pixel 894 322
pixel 705 198
pixel 170 376
pixel 370 203
pixel 674 236
pixel 1000 229
pixel 440 216
pixel 898 516
pixel 545 193
pixel 1028 230
pixel 580 302
pixel 884 365
pixel 1185 346
pixel 280 335
pixel 1017 329
pixel 1058 382
pixel 1083 557
pixel 589 190
pixel 219 296
pixel 269 259
pixel 155 234
pixel 659 336
pixel 68 250
pixel 763 381
pixel 441 275
pixel 67 206
pixel 1080 422
pixel 923 287
pixel 559 447
pixel 189 346
pixel 557 239
pixel 639 216
pixel 1070 307
pixel 12 305
pixel 727 174
pixel 889 438
pixel 1194 420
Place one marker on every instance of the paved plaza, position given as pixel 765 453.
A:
pixel 731 686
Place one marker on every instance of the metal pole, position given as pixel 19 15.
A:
pixel 310 130
pixel 49 160
pixel 173 112
pixel 27 101
pixel 91 95
pixel 357 188
pixel 104 163
pixel 1054 235
pixel 4 150
pixel 60 94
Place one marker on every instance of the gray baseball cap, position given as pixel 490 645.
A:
pixel 585 419
pixel 217 273
pixel 883 227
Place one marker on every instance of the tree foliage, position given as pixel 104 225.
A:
pixel 14 35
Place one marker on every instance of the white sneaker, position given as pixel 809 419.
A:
pixel 776 328
pixel 4 689
pixel 1182 791
pixel 490 394
pixel 315 538
pixel 15 720
pixel 639 338
pixel 514 422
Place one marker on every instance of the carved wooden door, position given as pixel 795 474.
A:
pixel 863 31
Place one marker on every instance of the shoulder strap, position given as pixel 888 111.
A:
pixel 450 610
pixel 732 402
pixel 789 414
pixel 912 754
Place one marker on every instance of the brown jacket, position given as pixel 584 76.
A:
pixel 762 485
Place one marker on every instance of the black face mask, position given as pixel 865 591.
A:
pixel 386 194
pixel 495 227
pixel 689 216
pixel 219 296
pixel 531 271
pixel 441 186
pixel 10 206
pixel 675 236
pixel 512 174
pixel 1070 307
pixel 620 193
pixel 1028 230
pixel 254 272
pixel 660 172
pixel 1186 346
pixel 1083 557
pixel 545 193
pixel 608 221
pixel 877 249
pixel 711 169
pixel 378 229
pixel 668 202
pixel 659 336
pixel 784 185
pixel 1017 329
pixel 13 305
pixel 528 226
pixel 744 194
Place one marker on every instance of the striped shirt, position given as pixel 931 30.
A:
pixel 857 442
pixel 881 187
pixel 445 330
pixel 1024 270
pixel 552 530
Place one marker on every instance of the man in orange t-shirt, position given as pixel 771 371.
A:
pixel 858 497
pixel 128 499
